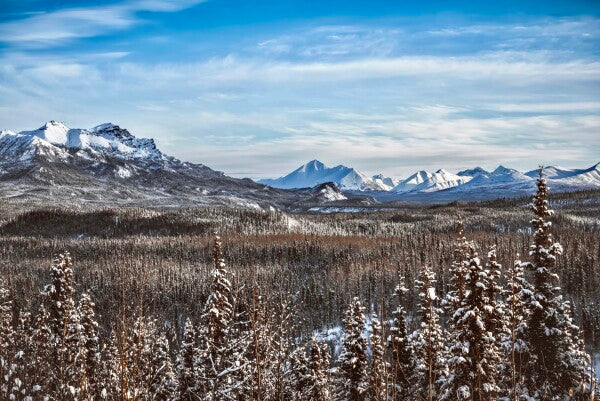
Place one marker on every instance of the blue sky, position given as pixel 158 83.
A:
pixel 258 88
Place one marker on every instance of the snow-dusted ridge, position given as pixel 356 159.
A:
pixel 466 184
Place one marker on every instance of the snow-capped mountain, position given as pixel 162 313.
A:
pixel 422 181
pixel 411 182
pixel 386 183
pixel 501 175
pixel 314 173
pixel 107 163
pixel 586 176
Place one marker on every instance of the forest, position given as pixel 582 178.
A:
pixel 480 301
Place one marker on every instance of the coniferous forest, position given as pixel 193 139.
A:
pixel 483 301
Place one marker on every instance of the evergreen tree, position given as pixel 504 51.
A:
pixel 514 345
pixel 187 389
pixel 220 350
pixel 551 373
pixel 473 352
pixel 298 379
pixel 21 367
pixel 66 364
pixel 91 385
pixel 377 376
pixel 458 270
pixel 402 352
pixel 7 338
pixel 428 341
pixel 113 368
pixel 352 379
pixel 317 386
pixel 43 352
pixel 162 383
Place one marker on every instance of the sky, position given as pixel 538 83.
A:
pixel 257 88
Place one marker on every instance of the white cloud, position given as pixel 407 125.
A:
pixel 66 24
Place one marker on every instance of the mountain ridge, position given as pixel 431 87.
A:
pixel 442 184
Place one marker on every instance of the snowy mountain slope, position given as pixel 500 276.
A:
pixel 501 175
pixel 107 163
pixel 411 182
pixel 314 173
pixel 423 181
pixel 386 183
pixel 439 180
pixel 588 176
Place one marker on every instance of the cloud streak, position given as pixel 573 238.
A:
pixel 55 27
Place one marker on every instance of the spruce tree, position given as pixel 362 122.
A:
pixel 113 368
pixel 551 373
pixel 162 383
pixel 378 372
pixel 91 385
pixel 473 352
pixel 217 364
pixel 514 345
pixel 298 377
pixel 6 341
pixel 402 369
pixel 187 389
pixel 317 386
pixel 458 270
pixel 67 362
pixel 352 380
pixel 428 340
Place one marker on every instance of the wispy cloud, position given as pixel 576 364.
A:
pixel 42 29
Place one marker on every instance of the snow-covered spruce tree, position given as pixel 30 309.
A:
pixel 260 349
pixel 162 383
pixel 113 369
pixel 495 320
pixel 43 352
pixel 7 349
pixel 402 367
pixel 91 385
pixel 283 323
pixel 552 373
pixel 458 270
pixel 21 368
pixel 317 379
pixel 514 346
pixel 187 389
pixel 352 379
pixel 217 363
pixel 473 353
pixel 66 365
pixel 136 375
pixel 428 341
pixel 495 316
pixel 378 372
pixel 298 377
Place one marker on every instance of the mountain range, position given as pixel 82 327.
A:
pixel 475 183
pixel 106 164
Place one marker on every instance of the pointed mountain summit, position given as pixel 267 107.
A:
pixel 472 172
pixel 314 173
